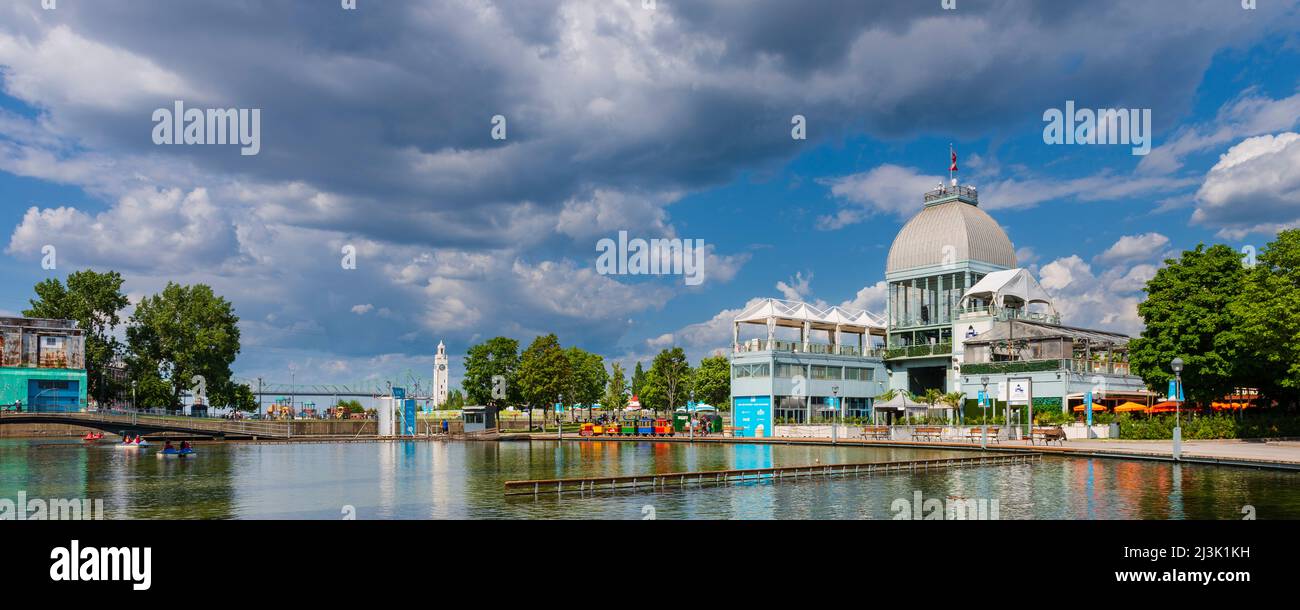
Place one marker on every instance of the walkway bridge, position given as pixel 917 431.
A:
pixel 137 423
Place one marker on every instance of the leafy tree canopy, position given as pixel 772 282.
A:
pixel 483 362
pixel 94 300
pixel 712 381
pixel 178 334
pixel 543 373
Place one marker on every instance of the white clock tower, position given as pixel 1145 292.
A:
pixel 440 376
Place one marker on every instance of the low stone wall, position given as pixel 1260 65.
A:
pixel 49 430
pixel 949 433
pixel 335 427
pixel 897 433
pixel 823 431
pixel 1081 431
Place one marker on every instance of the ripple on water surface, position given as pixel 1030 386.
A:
pixel 420 480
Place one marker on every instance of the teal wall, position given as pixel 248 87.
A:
pixel 14 382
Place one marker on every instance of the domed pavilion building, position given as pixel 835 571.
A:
pixel 960 317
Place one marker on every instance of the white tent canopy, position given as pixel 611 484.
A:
pixel 795 314
pixel 899 402
pixel 1009 288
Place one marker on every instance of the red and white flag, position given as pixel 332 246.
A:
pixel 954 160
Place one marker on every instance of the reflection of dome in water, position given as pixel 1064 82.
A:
pixel 971 232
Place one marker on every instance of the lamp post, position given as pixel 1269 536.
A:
pixel 835 403
pixel 1177 366
pixel 984 405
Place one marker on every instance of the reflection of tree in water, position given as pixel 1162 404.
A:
pixel 14 471
pixel 198 487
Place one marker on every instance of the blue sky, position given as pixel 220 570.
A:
pixel 671 122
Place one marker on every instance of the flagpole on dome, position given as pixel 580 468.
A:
pixel 952 168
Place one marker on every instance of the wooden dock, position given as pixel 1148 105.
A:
pixel 727 477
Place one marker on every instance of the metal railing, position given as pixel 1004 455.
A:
pixel 1007 313
pixel 749 475
pixel 1074 365
pixel 807 348
pixel 945 191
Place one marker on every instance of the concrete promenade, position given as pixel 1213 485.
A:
pixel 1283 454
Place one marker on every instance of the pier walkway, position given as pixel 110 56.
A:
pixel 778 473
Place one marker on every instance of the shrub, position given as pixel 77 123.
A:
pixel 1202 427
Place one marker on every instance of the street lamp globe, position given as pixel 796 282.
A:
pixel 1177 365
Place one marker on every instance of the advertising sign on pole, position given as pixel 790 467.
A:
pixel 1018 392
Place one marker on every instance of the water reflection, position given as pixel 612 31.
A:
pixel 419 480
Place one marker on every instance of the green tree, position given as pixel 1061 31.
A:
pixel 954 400
pixel 616 390
pixel 455 400
pixel 241 398
pixel 638 380
pixel 712 381
pixel 668 381
pixel 1188 314
pixel 351 406
pixel 92 299
pixel 587 377
pixel 543 373
pixel 183 332
pixel 1267 312
pixel 498 356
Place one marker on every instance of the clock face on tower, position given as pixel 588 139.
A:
pixel 442 367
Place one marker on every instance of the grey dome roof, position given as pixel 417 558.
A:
pixel 972 233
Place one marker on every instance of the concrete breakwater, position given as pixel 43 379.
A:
pixel 306 427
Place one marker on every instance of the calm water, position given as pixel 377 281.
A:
pixel 421 480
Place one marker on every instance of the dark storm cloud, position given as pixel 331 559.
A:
pixel 388 106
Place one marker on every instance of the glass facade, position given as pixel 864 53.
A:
pixel 853 373
pixel 826 372
pixel 743 371
pixel 791 410
pixel 926 301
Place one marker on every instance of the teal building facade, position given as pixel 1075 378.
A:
pixel 42 365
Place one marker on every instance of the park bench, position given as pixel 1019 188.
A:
pixel 928 432
pixel 876 432
pixel 1047 434
pixel 733 430
pixel 976 432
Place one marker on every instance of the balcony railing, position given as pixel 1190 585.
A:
pixel 943 192
pixel 1008 313
pixel 760 345
pixel 918 351
pixel 1074 365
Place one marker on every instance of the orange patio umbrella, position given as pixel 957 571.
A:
pixel 1095 407
pixel 1131 407
pixel 1167 406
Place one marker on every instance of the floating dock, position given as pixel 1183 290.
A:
pixel 779 473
